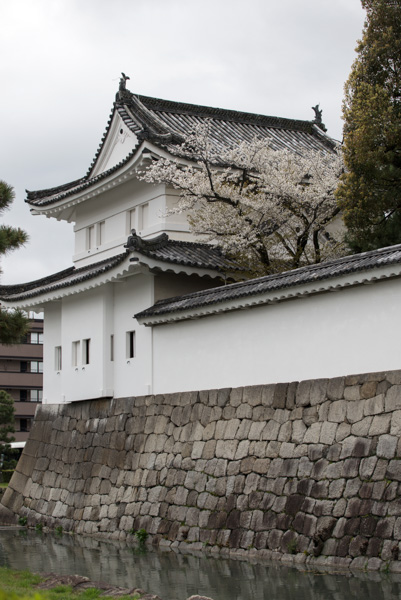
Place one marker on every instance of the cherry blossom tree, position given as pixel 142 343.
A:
pixel 271 210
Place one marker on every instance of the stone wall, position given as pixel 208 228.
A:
pixel 304 472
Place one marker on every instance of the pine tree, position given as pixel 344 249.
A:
pixel 13 324
pixel 6 425
pixel 370 189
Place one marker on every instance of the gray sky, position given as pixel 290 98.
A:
pixel 61 62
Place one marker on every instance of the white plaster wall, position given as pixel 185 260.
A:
pixel 52 379
pixel 113 206
pixel 82 318
pixel 356 330
pixel 132 376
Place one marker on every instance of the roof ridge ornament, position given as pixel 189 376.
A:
pixel 135 242
pixel 122 87
pixel 318 117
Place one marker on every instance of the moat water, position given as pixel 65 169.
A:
pixel 176 576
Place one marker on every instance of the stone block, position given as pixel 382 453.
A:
pixel 247 465
pixel 274 539
pixel 356 446
pixel 334 452
pixel 386 447
pixel 318 391
pixel 335 388
pixel 226 449
pixel 395 426
pixel 287 450
pixel 231 429
pixel 385 527
pixel 352 392
pixel 355 411
pixel 334 470
pixel 352 487
pixel 261 465
pixel 394 470
pixel 374 406
pixel 315 451
pixel 328 433
pixel 343 431
pixel 303 393
pixel 312 434
pixel 310 415
pixel 270 431
pixel 298 431
pixel 255 432
pixel 393 398
pixel 337 411
pixel 380 425
pixel 368 389
pixel 252 395
pixel 285 432
pixel 340 508
pixel 336 488
pixel 394 377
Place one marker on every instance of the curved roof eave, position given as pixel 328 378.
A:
pixel 82 189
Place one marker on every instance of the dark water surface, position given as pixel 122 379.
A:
pixel 178 576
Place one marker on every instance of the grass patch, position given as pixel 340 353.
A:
pixel 21 585
pixel 3 485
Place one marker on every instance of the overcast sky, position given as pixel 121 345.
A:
pixel 61 62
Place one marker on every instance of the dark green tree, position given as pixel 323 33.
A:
pixel 370 189
pixel 6 426
pixel 13 324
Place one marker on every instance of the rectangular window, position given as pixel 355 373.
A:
pixel 143 217
pixel 36 366
pixel 36 338
pixel 36 395
pixel 130 220
pixel 57 358
pixel 130 344
pixel 86 351
pixel 23 366
pixel 90 237
pixel 23 425
pixel 23 395
pixel 112 348
pixel 101 230
pixel 75 353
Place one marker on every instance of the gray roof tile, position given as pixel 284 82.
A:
pixel 323 271
pixel 166 123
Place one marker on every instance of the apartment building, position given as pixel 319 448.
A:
pixel 21 376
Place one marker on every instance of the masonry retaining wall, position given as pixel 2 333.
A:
pixel 303 472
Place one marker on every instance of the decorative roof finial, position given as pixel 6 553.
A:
pixel 318 117
pixel 123 82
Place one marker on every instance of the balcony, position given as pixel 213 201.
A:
pixel 24 409
pixel 16 379
pixel 22 351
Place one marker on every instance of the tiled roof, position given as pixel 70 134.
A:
pixel 165 123
pixel 323 271
pixel 190 254
pixel 62 279
pixel 201 256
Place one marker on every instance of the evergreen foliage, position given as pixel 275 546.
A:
pixel 370 188
pixel 6 425
pixel 13 324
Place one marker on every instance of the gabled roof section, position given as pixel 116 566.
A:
pixel 166 123
pixel 353 270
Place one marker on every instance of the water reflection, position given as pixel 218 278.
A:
pixel 178 576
